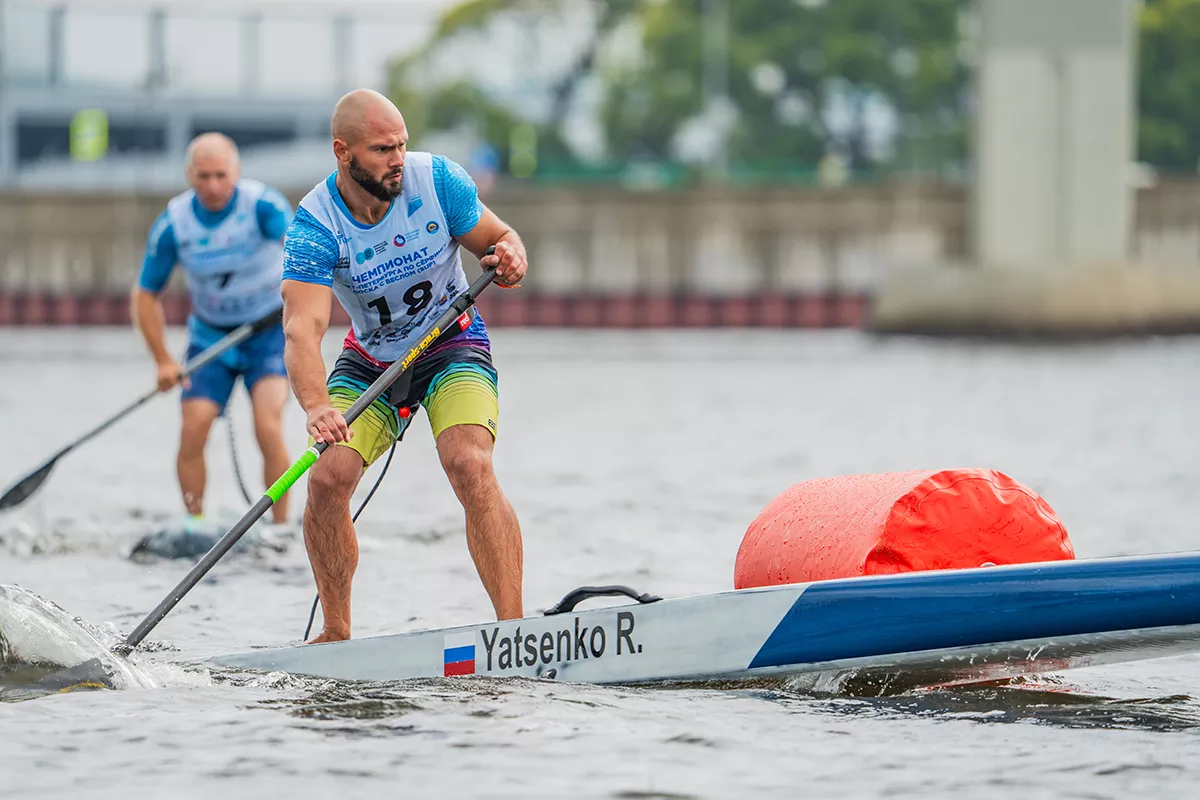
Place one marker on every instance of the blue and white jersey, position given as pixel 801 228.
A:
pixel 232 258
pixel 395 277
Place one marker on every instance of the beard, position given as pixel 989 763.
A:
pixel 379 189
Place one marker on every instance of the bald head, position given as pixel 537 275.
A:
pixel 370 141
pixel 212 146
pixel 362 112
pixel 213 169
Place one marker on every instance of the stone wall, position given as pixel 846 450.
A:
pixel 599 256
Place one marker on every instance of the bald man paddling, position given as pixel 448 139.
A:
pixel 383 234
pixel 226 232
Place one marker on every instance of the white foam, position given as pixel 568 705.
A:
pixel 35 631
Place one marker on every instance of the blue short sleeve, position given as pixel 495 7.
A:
pixel 310 251
pixel 457 195
pixel 274 214
pixel 161 255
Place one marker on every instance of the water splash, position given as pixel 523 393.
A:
pixel 38 638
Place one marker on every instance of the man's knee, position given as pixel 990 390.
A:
pixel 268 429
pixel 467 464
pixel 194 434
pixel 268 398
pixel 335 475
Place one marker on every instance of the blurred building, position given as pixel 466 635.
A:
pixel 147 77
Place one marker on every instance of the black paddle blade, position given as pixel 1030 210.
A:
pixel 91 674
pixel 21 491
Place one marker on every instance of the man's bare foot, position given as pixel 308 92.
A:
pixel 330 636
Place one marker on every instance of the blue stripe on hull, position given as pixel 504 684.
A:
pixel 858 618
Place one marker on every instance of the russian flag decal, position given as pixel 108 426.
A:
pixel 459 649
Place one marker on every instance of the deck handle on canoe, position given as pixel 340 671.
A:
pixel 576 597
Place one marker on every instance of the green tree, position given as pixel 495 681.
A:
pixel 1169 84
pixel 441 106
pixel 787 63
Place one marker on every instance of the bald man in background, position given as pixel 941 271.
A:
pixel 226 232
pixel 383 234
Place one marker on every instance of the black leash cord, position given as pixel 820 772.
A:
pixel 237 469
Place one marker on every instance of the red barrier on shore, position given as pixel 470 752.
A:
pixel 510 309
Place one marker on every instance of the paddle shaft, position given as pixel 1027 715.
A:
pixel 232 339
pixel 449 317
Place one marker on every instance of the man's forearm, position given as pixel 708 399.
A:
pixel 147 312
pixel 305 320
pixel 306 370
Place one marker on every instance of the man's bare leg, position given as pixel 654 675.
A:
pixel 329 537
pixel 493 533
pixel 198 416
pixel 268 398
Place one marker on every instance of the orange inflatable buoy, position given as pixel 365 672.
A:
pixel 898 522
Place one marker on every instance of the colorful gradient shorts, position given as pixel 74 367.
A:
pixel 456 386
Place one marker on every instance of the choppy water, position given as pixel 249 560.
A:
pixel 631 457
